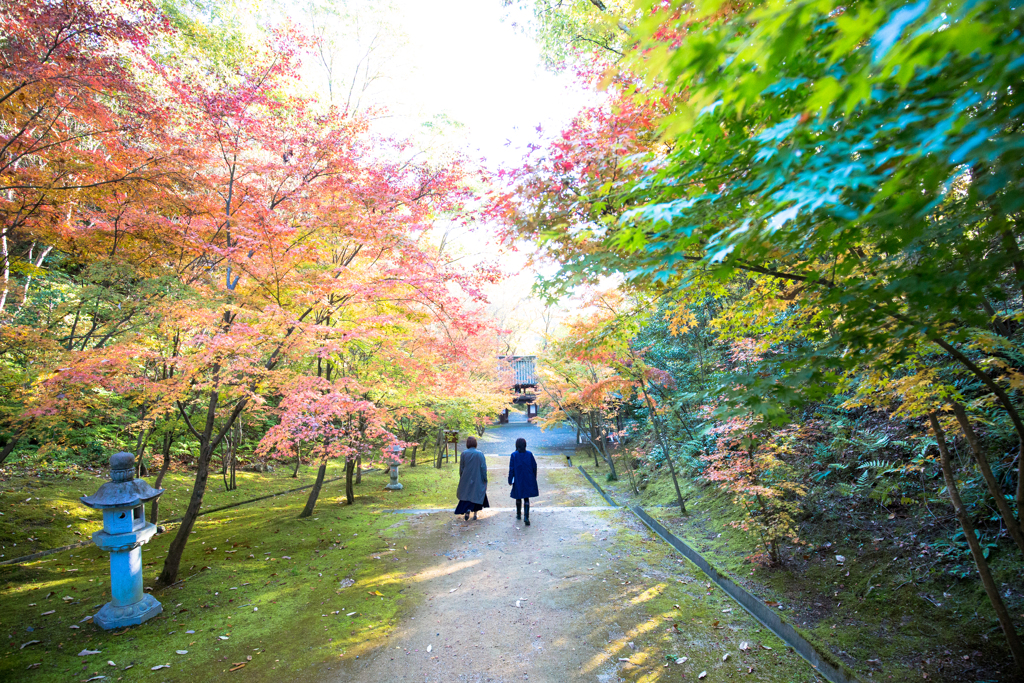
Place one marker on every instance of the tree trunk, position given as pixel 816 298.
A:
pixel 979 558
pixel 177 548
pixel 661 442
pixel 225 456
pixel 440 443
pixel 359 469
pixel 314 492
pixel 208 442
pixel 8 448
pixel 140 448
pixel 413 463
pixel 350 466
pixel 154 508
pixel 298 461
pixel 1012 525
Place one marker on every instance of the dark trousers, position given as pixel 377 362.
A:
pixel 520 502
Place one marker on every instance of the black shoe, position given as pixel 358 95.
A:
pixel 519 515
pixel 466 516
pixel 526 521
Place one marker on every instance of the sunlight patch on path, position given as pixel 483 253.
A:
pixel 557 508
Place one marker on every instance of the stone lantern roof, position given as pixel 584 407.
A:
pixel 123 490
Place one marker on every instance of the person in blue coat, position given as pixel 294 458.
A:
pixel 522 477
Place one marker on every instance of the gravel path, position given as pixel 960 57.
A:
pixel 502 601
pixel 576 596
pixel 501 439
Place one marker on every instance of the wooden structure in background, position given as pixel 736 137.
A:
pixel 524 381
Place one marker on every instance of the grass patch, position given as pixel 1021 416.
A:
pixel 256 574
pixel 41 510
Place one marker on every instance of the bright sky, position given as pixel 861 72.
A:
pixel 469 64
pixel 480 71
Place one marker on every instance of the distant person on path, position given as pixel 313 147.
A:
pixel 522 477
pixel 472 491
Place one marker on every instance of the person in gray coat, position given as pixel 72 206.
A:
pixel 472 491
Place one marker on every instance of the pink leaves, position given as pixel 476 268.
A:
pixel 329 419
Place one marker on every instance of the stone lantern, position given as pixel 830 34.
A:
pixel 395 456
pixel 124 531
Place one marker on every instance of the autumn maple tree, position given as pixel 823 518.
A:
pixel 208 242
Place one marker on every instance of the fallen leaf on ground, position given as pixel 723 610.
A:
pixel 34 666
pixel 111 663
pixel 31 642
pixel 84 653
pixel 725 656
pixel 430 648
pixel 765 647
pixel 181 652
pixel 702 674
pixel 53 611
pixel 223 637
pixel 160 666
pixel 94 678
pixel 744 645
pixel 682 660
pixel 237 666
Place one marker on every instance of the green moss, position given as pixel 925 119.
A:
pixel 236 583
pixel 42 511
pixel 867 613
pixel 682 614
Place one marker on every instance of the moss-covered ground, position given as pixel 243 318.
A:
pixel 681 614
pixel 273 596
pixel 260 587
pixel 41 509
pixel 888 611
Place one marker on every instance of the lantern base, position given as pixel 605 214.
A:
pixel 118 616
pixel 394 485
